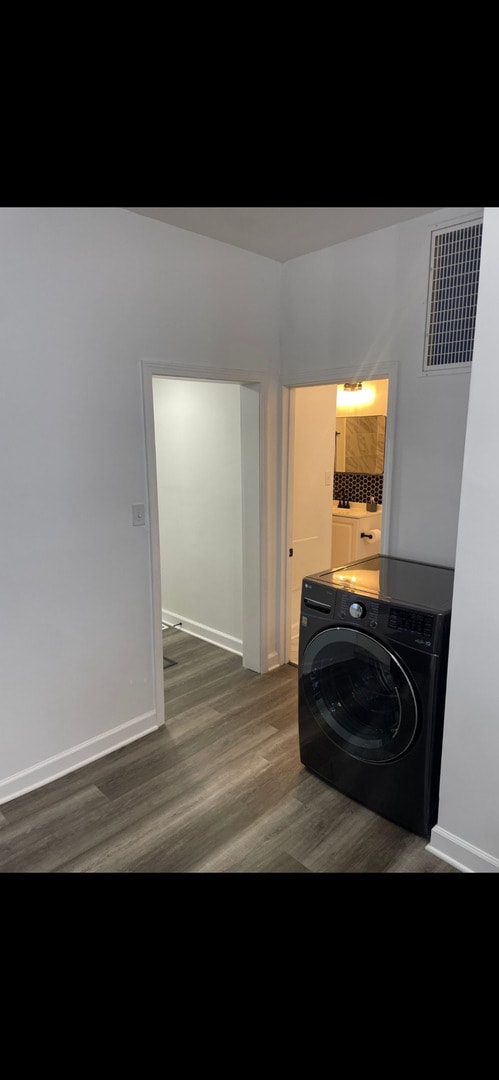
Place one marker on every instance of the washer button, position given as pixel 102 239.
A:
pixel 357 611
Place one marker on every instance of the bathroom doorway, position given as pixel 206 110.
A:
pixel 318 471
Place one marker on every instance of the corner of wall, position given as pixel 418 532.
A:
pixel 465 857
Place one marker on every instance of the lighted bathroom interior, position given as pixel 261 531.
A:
pixel 360 441
pixel 358 470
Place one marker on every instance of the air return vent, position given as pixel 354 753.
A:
pixel 452 297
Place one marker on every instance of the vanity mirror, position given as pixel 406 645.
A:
pixel 360 444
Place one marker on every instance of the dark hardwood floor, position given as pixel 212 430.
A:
pixel 219 789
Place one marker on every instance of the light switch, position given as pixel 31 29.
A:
pixel 327 479
pixel 139 514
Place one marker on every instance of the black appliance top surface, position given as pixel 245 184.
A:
pixel 414 584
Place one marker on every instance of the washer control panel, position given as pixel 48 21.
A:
pixel 387 619
pixel 414 627
pixel 415 622
pixel 358 607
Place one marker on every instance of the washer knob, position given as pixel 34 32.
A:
pixel 357 611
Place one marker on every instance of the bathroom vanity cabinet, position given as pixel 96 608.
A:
pixel 347 542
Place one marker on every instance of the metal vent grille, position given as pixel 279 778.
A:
pixel 452 297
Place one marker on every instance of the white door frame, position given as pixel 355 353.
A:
pixel 340 375
pixel 254 510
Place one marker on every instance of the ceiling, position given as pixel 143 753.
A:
pixel 282 232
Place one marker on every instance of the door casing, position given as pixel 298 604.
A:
pixel 253 500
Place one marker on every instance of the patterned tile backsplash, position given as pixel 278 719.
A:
pixel 358 486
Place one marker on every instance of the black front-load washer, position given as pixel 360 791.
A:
pixel 372 670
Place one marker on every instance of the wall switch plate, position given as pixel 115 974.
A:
pixel 327 479
pixel 138 514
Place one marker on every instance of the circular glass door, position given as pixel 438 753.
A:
pixel 359 694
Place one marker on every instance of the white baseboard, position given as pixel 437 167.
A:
pixel 206 633
pixel 70 760
pixel 457 852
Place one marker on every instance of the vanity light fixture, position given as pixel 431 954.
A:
pixel 355 395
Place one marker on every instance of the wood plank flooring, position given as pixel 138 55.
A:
pixel 219 789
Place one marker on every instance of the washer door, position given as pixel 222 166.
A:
pixel 359 694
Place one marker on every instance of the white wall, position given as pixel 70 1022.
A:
pixel 360 305
pixel 468 820
pixel 85 293
pixel 198 463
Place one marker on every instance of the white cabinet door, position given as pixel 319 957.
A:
pixel 347 542
pixel 362 547
pixel 341 543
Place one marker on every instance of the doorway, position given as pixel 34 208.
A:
pixel 197 427
pixel 315 473
pixel 249 394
